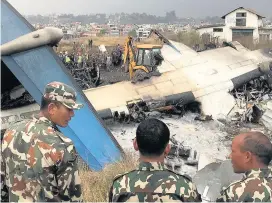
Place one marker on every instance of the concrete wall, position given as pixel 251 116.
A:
pixel 252 19
pixel 266 32
pixel 221 35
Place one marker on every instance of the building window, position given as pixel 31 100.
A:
pixel 239 15
pixel 217 29
pixel 241 19
pixel 241 22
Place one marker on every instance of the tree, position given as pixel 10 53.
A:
pixel 189 38
pixel 102 32
pixel 132 33
pixel 171 16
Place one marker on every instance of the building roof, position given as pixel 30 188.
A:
pixel 250 10
pixel 210 26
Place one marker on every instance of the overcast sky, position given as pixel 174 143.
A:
pixel 183 8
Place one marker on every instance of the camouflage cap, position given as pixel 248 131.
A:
pixel 57 91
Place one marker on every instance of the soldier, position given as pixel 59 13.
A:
pixel 151 181
pixel 38 162
pixel 251 154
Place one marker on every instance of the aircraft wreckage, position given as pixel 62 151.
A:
pixel 218 79
pixel 225 81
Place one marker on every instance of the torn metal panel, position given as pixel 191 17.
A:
pixel 211 179
pixel 267 116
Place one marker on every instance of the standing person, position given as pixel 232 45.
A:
pixel 108 62
pixel 151 181
pixel 38 162
pixel 251 155
pixel 90 42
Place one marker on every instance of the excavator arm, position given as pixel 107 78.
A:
pixel 162 38
pixel 129 54
pixel 128 50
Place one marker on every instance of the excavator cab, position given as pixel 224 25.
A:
pixel 141 58
pixel 148 55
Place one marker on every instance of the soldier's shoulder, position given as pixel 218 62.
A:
pixel 233 185
pixel 180 176
pixel 122 175
pixel 18 125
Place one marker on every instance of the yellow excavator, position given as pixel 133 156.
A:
pixel 141 59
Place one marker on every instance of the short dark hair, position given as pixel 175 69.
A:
pixel 45 102
pixel 152 136
pixel 260 145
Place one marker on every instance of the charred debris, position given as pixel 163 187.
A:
pixel 253 102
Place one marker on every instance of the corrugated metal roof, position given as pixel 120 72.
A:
pixel 247 9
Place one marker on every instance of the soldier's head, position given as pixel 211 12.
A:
pixel 250 150
pixel 59 102
pixel 152 138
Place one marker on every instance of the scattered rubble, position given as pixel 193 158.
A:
pixel 204 118
pixel 180 153
pixel 17 97
pixel 251 99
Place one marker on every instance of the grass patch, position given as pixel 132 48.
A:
pixel 96 185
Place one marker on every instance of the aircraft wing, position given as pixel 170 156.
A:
pixel 36 67
pixel 185 78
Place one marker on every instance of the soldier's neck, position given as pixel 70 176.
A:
pixel 151 159
pixel 258 166
pixel 44 114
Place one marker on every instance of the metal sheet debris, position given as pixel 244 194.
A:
pixel 266 119
pixel 251 99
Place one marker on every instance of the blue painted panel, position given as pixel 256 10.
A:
pixel 37 67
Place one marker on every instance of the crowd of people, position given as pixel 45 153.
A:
pixel 39 163
pixel 85 64
pixel 82 55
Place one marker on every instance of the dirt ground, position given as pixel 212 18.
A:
pixel 97 41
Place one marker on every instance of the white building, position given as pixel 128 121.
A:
pixel 240 24
pixel 143 33
pixel 113 30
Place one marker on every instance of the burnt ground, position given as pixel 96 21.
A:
pixel 114 75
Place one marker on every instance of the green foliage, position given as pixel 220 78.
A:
pixel 132 33
pixel 189 38
pixel 102 33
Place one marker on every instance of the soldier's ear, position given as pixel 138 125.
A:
pixel 51 108
pixel 135 145
pixel 167 149
pixel 248 156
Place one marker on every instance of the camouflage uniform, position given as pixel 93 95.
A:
pixel 256 186
pixel 152 182
pixel 38 163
